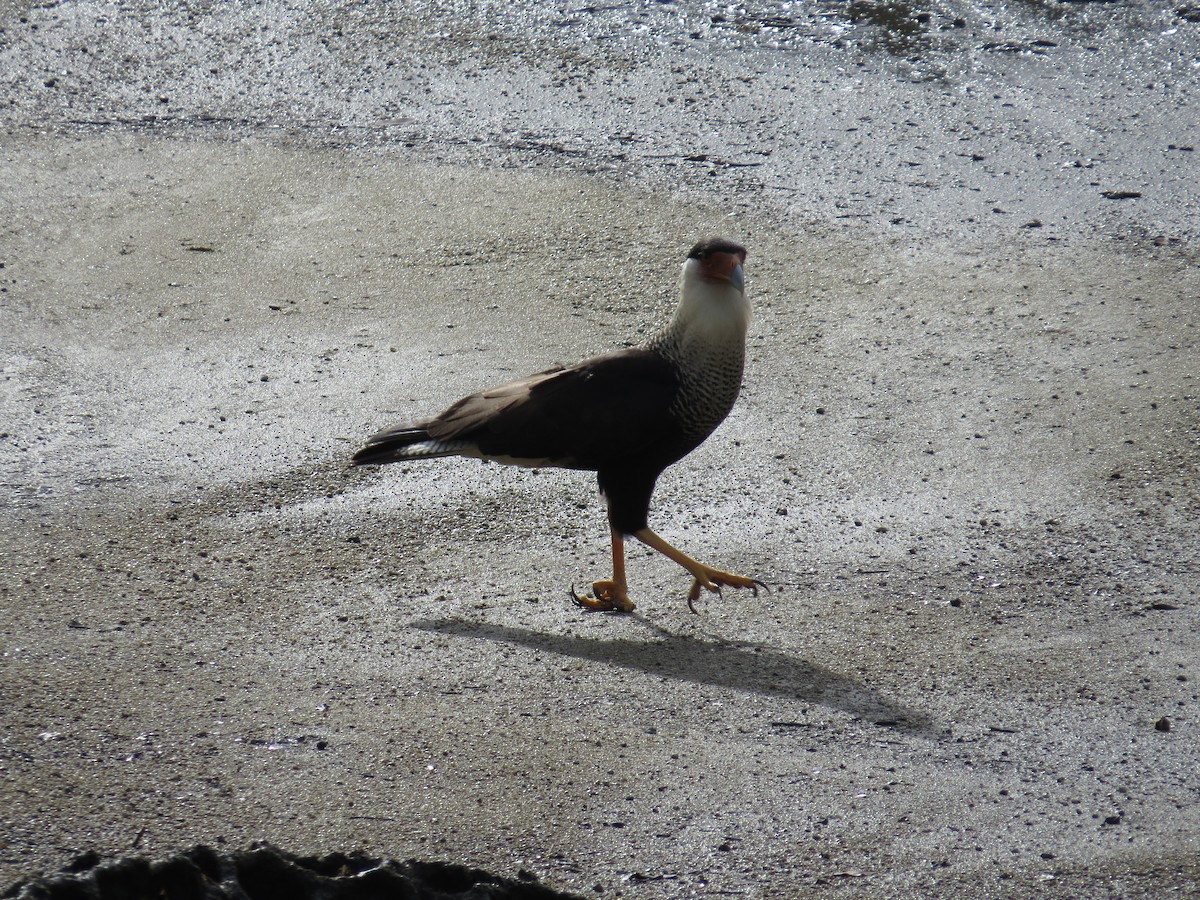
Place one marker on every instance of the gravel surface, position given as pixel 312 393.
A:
pixel 237 240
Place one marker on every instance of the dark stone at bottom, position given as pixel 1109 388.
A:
pixel 266 873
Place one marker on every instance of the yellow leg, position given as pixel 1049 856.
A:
pixel 609 595
pixel 704 576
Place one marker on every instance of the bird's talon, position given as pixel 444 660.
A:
pixel 608 598
pixel 714 579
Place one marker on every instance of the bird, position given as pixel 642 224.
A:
pixel 626 415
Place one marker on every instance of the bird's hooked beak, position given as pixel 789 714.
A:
pixel 738 278
pixel 724 267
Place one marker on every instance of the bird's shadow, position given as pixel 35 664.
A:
pixel 740 665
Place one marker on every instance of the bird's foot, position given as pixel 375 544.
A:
pixel 606 596
pixel 711 579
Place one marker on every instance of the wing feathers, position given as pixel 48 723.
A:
pixel 601 411
pixel 476 411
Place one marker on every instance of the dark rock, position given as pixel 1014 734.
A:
pixel 265 873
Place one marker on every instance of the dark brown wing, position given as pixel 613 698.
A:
pixel 600 412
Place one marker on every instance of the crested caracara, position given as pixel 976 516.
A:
pixel 626 415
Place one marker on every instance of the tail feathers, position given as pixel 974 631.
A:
pixel 402 443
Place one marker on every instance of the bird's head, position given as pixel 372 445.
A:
pixel 712 303
pixel 718 262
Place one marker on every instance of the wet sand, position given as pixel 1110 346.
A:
pixel 965 460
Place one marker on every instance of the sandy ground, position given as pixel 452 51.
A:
pixel 965 460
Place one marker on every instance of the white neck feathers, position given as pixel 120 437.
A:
pixel 710 312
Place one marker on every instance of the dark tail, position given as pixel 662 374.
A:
pixel 390 445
